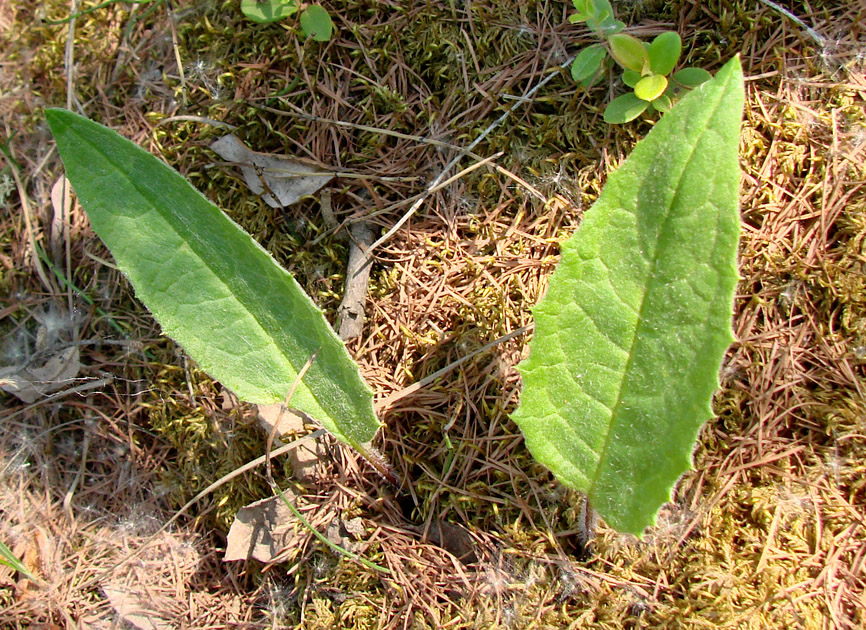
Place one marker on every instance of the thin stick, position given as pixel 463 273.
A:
pixel 273 434
pixel 351 309
pixel 342 123
pixel 67 498
pixel 69 63
pixel 279 173
pixel 28 222
pixel 69 58
pixel 199 119
pixel 434 186
pixel 404 136
pixel 176 47
pixel 216 484
pixel 414 387
pixel 457 158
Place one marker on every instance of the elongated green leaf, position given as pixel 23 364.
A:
pixel 629 338
pixel 212 288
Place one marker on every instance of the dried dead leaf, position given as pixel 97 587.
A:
pixel 61 202
pixel 454 539
pixel 302 458
pixel 259 530
pixel 347 534
pixel 133 607
pixel 280 180
pixel 36 379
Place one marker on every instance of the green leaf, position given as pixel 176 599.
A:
pixel 629 52
pixel 10 560
pixel 662 104
pixel 651 87
pixel 211 287
pixel 266 11
pixel 630 78
pixel 584 9
pixel 316 23
pixel 630 336
pixel 624 109
pixel 587 62
pixel 691 77
pixel 598 15
pixel 664 52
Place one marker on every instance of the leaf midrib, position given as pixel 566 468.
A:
pixel 193 244
pixel 640 311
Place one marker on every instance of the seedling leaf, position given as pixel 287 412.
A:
pixel 691 77
pixel 629 52
pixel 651 87
pixel 211 287
pixel 266 11
pixel 630 78
pixel 630 336
pixel 624 109
pixel 584 10
pixel 587 62
pixel 664 52
pixel 662 104
pixel 316 23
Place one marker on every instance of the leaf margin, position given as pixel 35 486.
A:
pixel 539 425
pixel 345 409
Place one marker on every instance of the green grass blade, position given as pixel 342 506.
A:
pixel 630 336
pixel 10 560
pixel 211 287
pixel 322 538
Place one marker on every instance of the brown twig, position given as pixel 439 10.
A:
pixel 351 309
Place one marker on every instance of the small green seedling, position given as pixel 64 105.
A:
pixel 645 66
pixel 315 21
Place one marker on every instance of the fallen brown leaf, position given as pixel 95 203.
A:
pixel 281 181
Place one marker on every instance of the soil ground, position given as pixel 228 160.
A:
pixel 768 530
